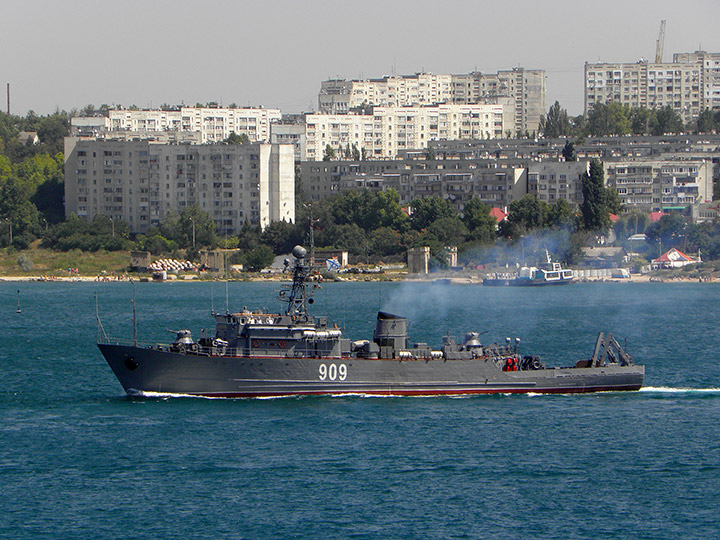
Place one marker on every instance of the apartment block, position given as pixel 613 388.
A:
pixel 659 185
pixel 290 133
pixel 390 130
pixel 455 181
pixel 213 124
pixel 140 182
pixel 339 96
pixel 689 84
pixel 523 89
pixel 551 181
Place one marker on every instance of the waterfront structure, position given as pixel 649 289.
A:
pixel 214 124
pixel 140 182
pixel 389 130
pixel 522 91
pixel 689 84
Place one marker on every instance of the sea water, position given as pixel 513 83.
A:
pixel 78 459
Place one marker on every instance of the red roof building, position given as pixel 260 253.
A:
pixel 498 214
pixel 655 216
pixel 674 259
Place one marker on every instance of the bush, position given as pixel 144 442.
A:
pixel 259 258
pixel 24 263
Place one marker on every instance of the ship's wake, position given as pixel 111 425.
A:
pixel 681 390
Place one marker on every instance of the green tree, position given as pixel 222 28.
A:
pixel 193 218
pixel 706 122
pixel 234 138
pixel 667 120
pixel 449 231
pixel 598 201
pixel 249 237
pixel 579 127
pixel 386 241
pixel 560 214
pixel 640 120
pixel 8 130
pixel 258 258
pixel 633 222
pixel 15 208
pixel 568 151
pixel 52 130
pixel 329 153
pixel 608 119
pixel 156 244
pixel 349 237
pixel 282 236
pixel 669 230
pixel 429 209
pixel 524 215
pixel 556 123
pixel 178 228
pixel 368 210
pixel 480 224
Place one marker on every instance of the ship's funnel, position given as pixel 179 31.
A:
pixel 391 331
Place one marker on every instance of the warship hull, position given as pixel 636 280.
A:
pixel 260 354
pixel 144 370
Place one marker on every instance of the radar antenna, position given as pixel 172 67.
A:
pixel 297 296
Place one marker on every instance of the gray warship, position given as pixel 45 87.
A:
pixel 258 354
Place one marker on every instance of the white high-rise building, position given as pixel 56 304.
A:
pixel 392 129
pixel 139 182
pixel 689 84
pixel 523 89
pixel 214 124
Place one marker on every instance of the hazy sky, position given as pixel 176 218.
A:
pixel 67 54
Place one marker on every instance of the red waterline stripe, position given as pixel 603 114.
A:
pixel 583 390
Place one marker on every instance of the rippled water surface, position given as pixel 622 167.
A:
pixel 80 460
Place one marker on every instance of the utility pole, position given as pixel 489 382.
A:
pixel 8 98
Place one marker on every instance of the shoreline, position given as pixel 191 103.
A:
pixel 429 278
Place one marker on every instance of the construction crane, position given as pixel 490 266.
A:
pixel 660 45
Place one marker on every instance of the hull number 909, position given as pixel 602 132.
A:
pixel 331 372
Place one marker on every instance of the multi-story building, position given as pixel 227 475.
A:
pixel 390 130
pixel 551 181
pixel 289 133
pixel 710 63
pixel 648 175
pixel 455 181
pixel 689 84
pixel 139 182
pixel 339 96
pixel 213 124
pixel 658 185
pixel 523 89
